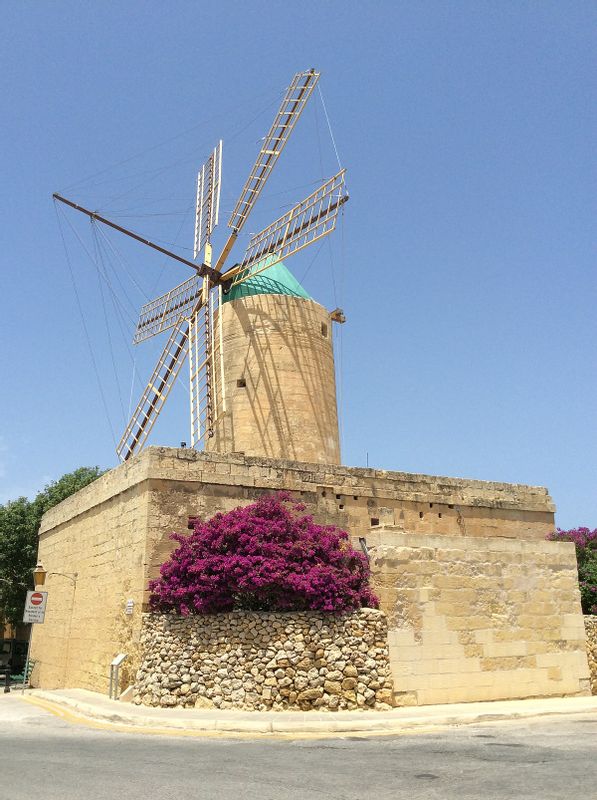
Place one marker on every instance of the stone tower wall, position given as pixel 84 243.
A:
pixel 279 380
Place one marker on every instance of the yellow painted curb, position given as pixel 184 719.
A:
pixel 77 718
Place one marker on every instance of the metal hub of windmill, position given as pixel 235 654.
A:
pixel 189 310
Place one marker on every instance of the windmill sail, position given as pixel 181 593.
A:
pixel 206 384
pixel 164 312
pixel 208 199
pixel 308 221
pixel 156 392
pixel 190 309
pixel 294 102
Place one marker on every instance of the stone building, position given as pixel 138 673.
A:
pixel 479 605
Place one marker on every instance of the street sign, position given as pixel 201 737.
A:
pixel 35 607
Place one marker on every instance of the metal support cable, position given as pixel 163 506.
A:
pixel 325 111
pixel 105 313
pixel 87 337
pixel 176 136
pixel 117 254
pixel 85 249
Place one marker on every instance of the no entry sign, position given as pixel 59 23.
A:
pixel 35 607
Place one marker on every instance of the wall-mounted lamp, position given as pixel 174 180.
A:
pixel 72 576
pixel 40 575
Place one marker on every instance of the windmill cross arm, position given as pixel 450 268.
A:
pixel 201 269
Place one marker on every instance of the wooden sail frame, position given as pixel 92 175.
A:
pixel 190 309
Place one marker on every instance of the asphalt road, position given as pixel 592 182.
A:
pixel 42 756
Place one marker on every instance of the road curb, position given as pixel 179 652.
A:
pixel 395 722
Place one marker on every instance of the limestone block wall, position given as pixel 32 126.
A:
pixel 99 533
pixel 115 534
pixel 479 619
pixel 265 661
pixel 591 630
pixel 184 483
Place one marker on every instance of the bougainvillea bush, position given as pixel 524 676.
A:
pixel 586 557
pixel 268 556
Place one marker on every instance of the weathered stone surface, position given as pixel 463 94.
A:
pixel 473 619
pixel 310 694
pixel 249 640
pixel 591 629
pixel 115 533
pixel 303 427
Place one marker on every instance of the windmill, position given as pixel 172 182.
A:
pixel 192 312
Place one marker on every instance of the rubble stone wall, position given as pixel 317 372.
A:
pixel 265 661
pixel 591 629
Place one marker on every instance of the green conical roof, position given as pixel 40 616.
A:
pixel 276 279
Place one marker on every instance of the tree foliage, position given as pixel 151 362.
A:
pixel 268 556
pixel 585 541
pixel 19 524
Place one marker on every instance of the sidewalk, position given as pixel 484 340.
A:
pixel 91 706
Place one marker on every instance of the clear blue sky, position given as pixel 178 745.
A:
pixel 463 262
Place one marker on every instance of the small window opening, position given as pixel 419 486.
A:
pixel 450 505
pixel 440 515
pixel 324 329
pixel 323 493
pixel 430 505
pixel 374 521
pixel 341 506
pixel 338 496
pixel 355 497
pixel 420 515
pixel 241 382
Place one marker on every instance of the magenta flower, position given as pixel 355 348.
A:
pixel 268 556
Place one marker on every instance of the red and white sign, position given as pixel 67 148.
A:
pixel 35 607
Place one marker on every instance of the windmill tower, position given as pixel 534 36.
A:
pixel 261 365
pixel 278 367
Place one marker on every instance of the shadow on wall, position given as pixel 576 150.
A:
pixel 281 349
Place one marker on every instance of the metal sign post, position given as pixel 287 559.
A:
pixel 35 612
pixel 114 670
